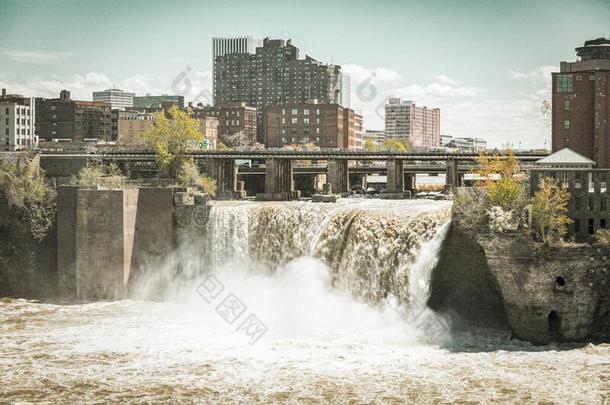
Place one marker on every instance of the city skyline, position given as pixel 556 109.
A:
pixel 481 67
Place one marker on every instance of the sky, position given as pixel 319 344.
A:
pixel 485 64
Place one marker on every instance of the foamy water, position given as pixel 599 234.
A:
pixel 322 342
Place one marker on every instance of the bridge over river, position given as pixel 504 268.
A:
pixel 342 168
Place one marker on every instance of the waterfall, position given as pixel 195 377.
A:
pixel 373 249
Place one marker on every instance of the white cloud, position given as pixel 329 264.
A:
pixel 82 86
pixel 541 73
pixel 35 56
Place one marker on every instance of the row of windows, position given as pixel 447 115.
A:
pixel 590 225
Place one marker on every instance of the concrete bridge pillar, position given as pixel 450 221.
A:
pixel 279 182
pixel 395 178
pixel 409 179
pixel 338 176
pixel 224 172
pixel 451 180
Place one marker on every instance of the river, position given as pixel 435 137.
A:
pixel 291 303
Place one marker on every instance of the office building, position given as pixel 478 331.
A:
pixel 118 99
pixel 322 125
pixel 222 46
pixel 418 125
pixel 64 119
pixel 17 122
pixel 149 101
pixel 580 109
pixel 274 75
pixel 236 122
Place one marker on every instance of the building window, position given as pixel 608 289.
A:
pixel 577 204
pixel 591 204
pixel 567 105
pixel 566 124
pixel 591 226
pixel 283 120
pixel 602 204
pixel 602 223
pixel 283 111
pixel 306 111
pixel 294 111
pixel 564 84
pixel 294 120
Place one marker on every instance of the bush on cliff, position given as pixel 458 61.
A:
pixel 108 176
pixel 469 210
pixel 549 207
pixel 602 237
pixel 189 176
pixel 26 198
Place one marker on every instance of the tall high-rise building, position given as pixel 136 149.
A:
pixel 418 125
pixel 580 108
pixel 118 99
pixel 345 89
pixel 274 74
pixel 17 122
pixel 222 46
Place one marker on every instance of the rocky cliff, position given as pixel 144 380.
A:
pixel 542 293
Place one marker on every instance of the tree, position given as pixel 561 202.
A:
pixel 370 145
pixel 171 136
pixel 548 207
pixel 28 200
pixel 396 145
pixel 507 191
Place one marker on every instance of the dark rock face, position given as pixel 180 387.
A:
pixel 463 284
pixel 547 294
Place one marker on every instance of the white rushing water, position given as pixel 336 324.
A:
pixel 338 294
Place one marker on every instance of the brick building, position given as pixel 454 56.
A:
pixel 236 121
pixel 73 120
pixel 421 126
pixel 580 110
pixel 275 75
pixel 323 125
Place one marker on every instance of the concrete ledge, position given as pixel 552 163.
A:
pixel 285 196
pixel 395 196
pixel 324 198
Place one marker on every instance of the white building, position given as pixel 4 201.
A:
pixel 475 145
pixel 418 125
pixel 118 99
pixel 376 136
pixel 17 122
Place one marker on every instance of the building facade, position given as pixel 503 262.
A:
pixel 236 122
pixel 322 125
pixel 17 122
pixel 127 126
pixel 65 119
pixel 209 129
pixel 376 136
pixel 118 99
pixel 149 101
pixel 418 125
pixel 222 46
pixel 580 109
pixel 274 75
